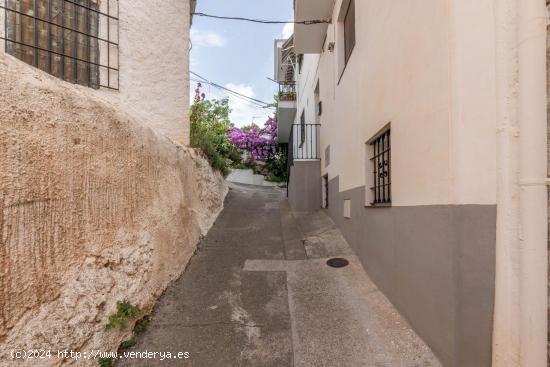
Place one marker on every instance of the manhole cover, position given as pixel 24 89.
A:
pixel 337 263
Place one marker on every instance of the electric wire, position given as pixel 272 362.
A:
pixel 253 104
pixel 255 101
pixel 264 21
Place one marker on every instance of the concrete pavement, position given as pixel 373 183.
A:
pixel 259 293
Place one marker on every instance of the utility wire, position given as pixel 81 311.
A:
pixel 252 103
pixel 227 89
pixel 263 21
pixel 233 94
pixel 256 101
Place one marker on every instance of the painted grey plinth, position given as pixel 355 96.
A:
pixel 304 187
pixel 436 264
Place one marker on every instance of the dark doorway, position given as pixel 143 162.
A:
pixel 325 191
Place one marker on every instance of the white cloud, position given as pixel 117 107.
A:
pixel 207 38
pixel 243 113
pixel 287 31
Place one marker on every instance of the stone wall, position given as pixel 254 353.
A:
pixel 95 208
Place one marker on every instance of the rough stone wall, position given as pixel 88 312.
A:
pixel 95 208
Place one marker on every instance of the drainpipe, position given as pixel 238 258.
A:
pixel 520 318
pixel 533 215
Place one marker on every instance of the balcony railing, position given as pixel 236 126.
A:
pixel 287 91
pixel 304 144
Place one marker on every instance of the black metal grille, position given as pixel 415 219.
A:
pixel 75 40
pixel 381 162
pixel 304 142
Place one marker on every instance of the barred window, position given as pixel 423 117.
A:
pixel 381 163
pixel 75 40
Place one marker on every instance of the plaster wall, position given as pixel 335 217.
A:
pixel 436 264
pixel 304 190
pixel 306 81
pixel 95 208
pixel 153 63
pixel 428 70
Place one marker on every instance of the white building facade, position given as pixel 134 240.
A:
pixel 432 161
pixel 135 54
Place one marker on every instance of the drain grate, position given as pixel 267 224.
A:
pixel 337 262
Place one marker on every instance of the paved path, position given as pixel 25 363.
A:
pixel 258 293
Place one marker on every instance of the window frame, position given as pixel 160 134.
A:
pixel 73 40
pixel 379 169
pixel 348 50
pixel 342 57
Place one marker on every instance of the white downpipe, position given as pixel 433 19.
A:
pixel 520 322
pixel 533 225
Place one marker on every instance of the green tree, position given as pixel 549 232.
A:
pixel 209 124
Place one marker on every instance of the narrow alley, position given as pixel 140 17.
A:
pixel 258 292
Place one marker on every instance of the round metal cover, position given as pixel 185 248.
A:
pixel 337 263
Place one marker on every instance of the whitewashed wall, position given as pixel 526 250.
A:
pixel 305 84
pixel 153 63
pixel 429 70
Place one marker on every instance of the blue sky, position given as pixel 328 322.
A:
pixel 239 55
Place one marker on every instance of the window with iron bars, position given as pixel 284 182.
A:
pixel 381 162
pixel 74 40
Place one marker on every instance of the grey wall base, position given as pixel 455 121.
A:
pixel 436 264
pixel 304 187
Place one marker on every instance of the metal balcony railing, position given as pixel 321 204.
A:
pixel 287 91
pixel 304 144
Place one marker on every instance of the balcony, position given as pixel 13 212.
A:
pixel 304 144
pixel 308 39
pixel 285 60
pixel 286 110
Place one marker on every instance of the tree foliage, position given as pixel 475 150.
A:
pixel 209 125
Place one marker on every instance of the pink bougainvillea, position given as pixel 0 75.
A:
pixel 259 142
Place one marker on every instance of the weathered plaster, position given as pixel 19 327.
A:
pixel 153 39
pixel 154 64
pixel 95 208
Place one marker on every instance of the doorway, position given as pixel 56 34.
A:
pixel 324 191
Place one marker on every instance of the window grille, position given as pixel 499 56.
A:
pixel 381 163
pixel 349 30
pixel 74 40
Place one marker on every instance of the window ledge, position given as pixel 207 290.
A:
pixel 378 205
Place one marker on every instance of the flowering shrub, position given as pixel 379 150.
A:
pixel 259 142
